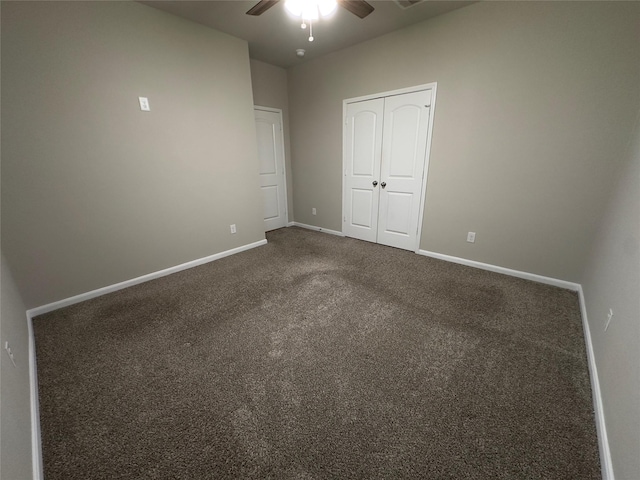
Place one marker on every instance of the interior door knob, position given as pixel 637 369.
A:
pixel 375 182
pixel 383 184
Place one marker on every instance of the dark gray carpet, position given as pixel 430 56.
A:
pixel 318 357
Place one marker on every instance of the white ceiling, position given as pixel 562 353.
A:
pixel 275 35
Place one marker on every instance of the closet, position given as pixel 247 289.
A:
pixel 385 162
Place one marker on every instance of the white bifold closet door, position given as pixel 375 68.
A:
pixel 385 156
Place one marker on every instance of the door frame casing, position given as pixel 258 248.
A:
pixel 423 195
pixel 284 156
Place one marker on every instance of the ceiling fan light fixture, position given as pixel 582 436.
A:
pixel 327 7
pixel 311 9
pixel 294 7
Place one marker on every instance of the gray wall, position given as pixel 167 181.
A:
pixel 533 107
pixel 94 191
pixel 15 388
pixel 15 425
pixel 270 89
pixel 612 280
pixel 534 112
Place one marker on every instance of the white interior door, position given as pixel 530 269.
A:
pixel 272 172
pixel 385 151
pixel 404 146
pixel 363 150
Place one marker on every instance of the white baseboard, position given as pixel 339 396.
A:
pixel 601 428
pixel 36 443
pixel 605 454
pixel 317 229
pixel 34 312
pixel 603 441
pixel 506 271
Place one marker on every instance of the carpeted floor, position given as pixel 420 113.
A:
pixel 318 357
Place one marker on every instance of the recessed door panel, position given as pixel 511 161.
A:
pixel 364 150
pixel 398 213
pixel 361 208
pixel 403 136
pixel 271 168
pixel 265 130
pixel 270 202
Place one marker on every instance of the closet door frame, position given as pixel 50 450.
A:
pixel 429 86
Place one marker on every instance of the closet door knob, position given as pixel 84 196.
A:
pixel 383 184
pixel 375 182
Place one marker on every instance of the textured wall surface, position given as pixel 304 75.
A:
pixel 534 104
pixel 15 427
pixel 95 191
pixel 612 280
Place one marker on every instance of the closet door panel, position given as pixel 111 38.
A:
pixel 398 207
pixel 404 143
pixel 362 153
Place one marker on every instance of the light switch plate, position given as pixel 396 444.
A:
pixel 144 104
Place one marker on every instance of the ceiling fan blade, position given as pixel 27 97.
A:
pixel 359 8
pixel 261 7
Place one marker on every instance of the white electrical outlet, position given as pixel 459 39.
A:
pixel 313 211
pixel 471 237
pixel 232 228
pixel 609 317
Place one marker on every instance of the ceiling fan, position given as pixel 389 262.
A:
pixel 360 8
